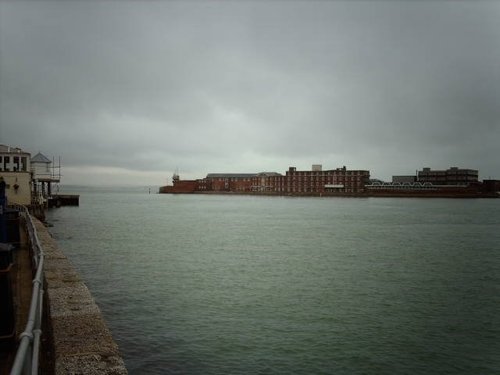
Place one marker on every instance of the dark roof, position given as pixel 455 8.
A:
pixel 40 158
pixel 13 150
pixel 231 175
pixel 269 174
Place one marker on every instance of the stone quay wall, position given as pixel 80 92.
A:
pixel 77 335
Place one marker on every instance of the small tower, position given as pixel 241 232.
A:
pixel 175 178
pixel 43 175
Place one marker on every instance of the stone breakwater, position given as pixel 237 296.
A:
pixel 77 334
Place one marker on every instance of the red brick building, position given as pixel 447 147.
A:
pixel 181 186
pixel 340 180
pixel 315 181
pixel 235 182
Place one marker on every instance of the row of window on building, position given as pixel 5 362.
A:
pixel 450 176
pixel 315 181
pixel 13 163
pixel 319 181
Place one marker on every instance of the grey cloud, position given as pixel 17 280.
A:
pixel 208 86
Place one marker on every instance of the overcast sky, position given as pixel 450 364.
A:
pixel 128 91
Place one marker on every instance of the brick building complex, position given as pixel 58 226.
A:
pixel 236 182
pixel 340 180
pixel 315 181
pixel 450 176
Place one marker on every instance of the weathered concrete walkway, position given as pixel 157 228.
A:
pixel 82 343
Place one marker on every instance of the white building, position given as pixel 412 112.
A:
pixel 43 175
pixel 15 170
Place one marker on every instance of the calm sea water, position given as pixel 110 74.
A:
pixel 206 284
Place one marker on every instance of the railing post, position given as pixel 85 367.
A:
pixel 27 361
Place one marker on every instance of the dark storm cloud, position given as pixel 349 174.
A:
pixel 250 86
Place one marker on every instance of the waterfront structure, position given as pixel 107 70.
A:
pixel 451 183
pixel 450 176
pixel 214 182
pixel 491 186
pixel 180 186
pixel 29 181
pixel 426 189
pixel 15 171
pixel 312 182
pixel 43 175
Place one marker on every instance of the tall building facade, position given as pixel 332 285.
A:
pixel 339 180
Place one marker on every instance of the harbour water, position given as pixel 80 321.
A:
pixel 210 284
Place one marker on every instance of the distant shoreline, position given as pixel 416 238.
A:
pixel 371 194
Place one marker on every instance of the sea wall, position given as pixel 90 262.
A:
pixel 371 193
pixel 79 338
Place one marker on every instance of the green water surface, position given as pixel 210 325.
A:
pixel 207 284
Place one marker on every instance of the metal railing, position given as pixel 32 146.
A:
pixel 27 356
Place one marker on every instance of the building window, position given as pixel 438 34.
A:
pixel 6 161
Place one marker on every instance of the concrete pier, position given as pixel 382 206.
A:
pixel 63 200
pixel 80 340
